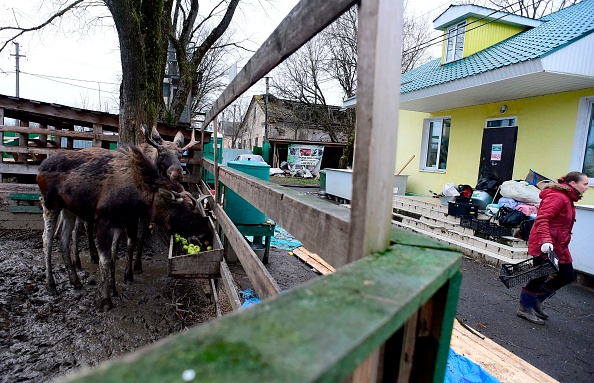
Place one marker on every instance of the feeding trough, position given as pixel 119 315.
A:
pixel 205 264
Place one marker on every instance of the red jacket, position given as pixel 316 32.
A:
pixel 554 221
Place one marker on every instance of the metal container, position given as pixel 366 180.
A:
pixel 481 198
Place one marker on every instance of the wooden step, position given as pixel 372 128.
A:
pixel 480 254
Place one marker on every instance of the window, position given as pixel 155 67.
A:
pixel 436 139
pixel 501 122
pixel 455 42
pixel 582 156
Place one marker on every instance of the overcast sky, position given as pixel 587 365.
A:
pixel 63 66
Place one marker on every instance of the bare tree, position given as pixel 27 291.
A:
pixel 415 30
pixel 232 127
pixel 332 56
pixel 145 29
pixel 341 40
pixel 528 8
pixel 531 8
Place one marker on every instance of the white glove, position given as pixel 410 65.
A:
pixel 546 247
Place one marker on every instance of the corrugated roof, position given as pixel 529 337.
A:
pixel 559 29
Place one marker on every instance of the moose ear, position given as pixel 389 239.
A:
pixel 179 139
pixel 156 136
pixel 170 196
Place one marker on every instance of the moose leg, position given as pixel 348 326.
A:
pixel 75 250
pixel 68 220
pixel 143 230
pixel 50 221
pixel 104 246
pixel 91 236
pixel 132 243
pixel 115 244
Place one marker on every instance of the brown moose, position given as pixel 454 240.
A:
pixel 114 189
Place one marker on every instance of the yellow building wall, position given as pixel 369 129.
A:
pixel 546 127
pixel 482 34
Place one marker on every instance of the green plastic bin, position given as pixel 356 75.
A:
pixel 238 209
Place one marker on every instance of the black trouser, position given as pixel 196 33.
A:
pixel 563 277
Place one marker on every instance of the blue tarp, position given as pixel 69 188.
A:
pixel 462 370
pixel 283 240
pixel 249 297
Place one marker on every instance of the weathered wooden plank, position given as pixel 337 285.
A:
pixel 495 359
pixel 294 31
pixel 380 26
pixel 286 339
pixel 6 167
pixel 24 209
pixel 288 208
pixel 77 116
pixel 264 283
pixel 229 284
pixel 24 196
pixel 20 221
pixel 28 149
pixel 205 264
pixel 314 260
pixel 215 296
pixel 61 133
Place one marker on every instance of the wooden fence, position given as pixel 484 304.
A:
pixel 386 314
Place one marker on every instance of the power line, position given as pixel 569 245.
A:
pixel 54 79
pixel 70 79
pixel 438 39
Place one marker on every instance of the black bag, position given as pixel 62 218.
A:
pixel 489 185
pixel 525 228
pixel 509 217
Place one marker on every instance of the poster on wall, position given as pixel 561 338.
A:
pixel 496 150
pixel 305 158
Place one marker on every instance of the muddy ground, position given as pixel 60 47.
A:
pixel 43 337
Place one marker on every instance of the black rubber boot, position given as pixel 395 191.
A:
pixel 526 310
pixel 540 298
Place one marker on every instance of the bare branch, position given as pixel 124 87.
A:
pixel 20 30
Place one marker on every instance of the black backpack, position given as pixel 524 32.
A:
pixel 525 228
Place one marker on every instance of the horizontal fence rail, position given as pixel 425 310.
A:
pixel 307 218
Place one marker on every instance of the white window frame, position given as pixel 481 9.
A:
pixel 425 144
pixel 454 38
pixel 578 152
pixel 500 119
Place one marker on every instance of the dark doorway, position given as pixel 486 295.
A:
pixel 498 152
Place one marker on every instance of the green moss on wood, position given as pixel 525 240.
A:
pixel 318 332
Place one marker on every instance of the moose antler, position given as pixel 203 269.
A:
pixel 148 136
pixel 192 142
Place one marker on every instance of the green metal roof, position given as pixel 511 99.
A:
pixel 558 29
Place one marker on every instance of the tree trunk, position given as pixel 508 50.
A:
pixel 142 54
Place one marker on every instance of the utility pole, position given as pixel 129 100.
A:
pixel 234 129
pixel 17 56
pixel 266 112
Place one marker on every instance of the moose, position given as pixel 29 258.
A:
pixel 113 189
pixel 166 155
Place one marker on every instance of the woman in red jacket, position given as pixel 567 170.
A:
pixel 552 232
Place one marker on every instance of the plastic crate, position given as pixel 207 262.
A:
pixel 513 274
pixel 469 222
pixel 485 226
pixel 461 209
